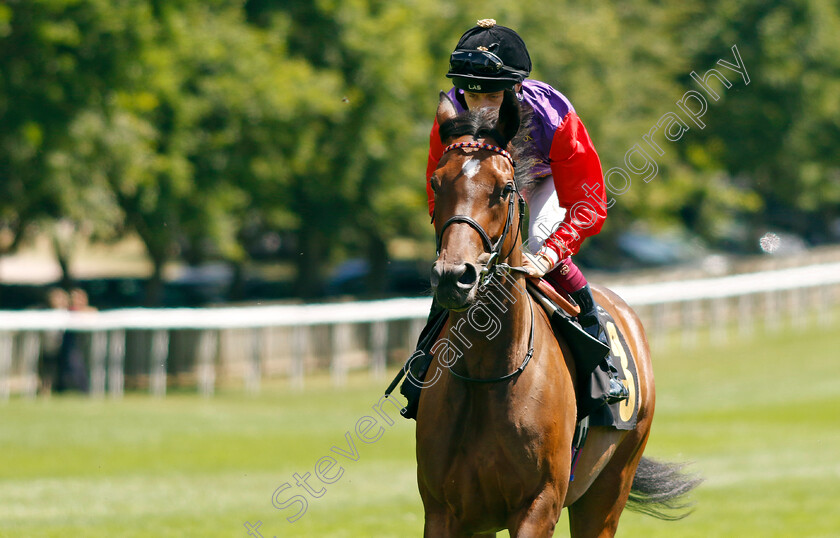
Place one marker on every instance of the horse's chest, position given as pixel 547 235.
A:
pixel 495 466
pixel 486 454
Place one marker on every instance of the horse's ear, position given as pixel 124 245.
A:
pixel 446 109
pixel 509 116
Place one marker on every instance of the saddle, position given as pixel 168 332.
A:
pixel 588 352
pixel 592 378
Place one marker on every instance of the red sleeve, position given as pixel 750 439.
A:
pixel 435 153
pixel 579 182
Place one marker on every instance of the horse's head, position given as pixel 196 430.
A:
pixel 475 199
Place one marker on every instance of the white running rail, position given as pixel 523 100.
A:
pixel 688 305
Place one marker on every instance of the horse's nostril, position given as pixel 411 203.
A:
pixel 468 276
pixel 434 278
pixel 459 278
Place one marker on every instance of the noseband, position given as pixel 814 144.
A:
pixel 493 266
pixel 493 248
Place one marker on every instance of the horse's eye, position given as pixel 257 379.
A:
pixel 507 190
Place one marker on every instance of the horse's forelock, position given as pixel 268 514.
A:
pixel 475 123
pixel 481 123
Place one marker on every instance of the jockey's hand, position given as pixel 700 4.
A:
pixel 536 265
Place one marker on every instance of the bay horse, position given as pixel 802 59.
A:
pixel 496 420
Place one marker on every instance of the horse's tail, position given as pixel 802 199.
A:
pixel 659 490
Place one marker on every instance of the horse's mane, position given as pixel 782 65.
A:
pixel 481 123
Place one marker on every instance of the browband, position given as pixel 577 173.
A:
pixel 480 145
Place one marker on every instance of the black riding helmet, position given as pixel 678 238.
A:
pixel 489 58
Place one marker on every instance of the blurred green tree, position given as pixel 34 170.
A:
pixel 779 136
pixel 200 124
pixel 367 186
pixel 230 113
pixel 58 61
pixel 179 122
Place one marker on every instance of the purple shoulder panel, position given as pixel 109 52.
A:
pixel 550 109
pixel 453 94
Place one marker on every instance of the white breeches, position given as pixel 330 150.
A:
pixel 545 213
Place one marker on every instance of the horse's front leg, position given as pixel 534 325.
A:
pixel 539 518
pixel 441 524
pixel 440 521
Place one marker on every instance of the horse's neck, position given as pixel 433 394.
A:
pixel 494 331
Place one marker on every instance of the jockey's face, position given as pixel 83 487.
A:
pixel 486 100
pixel 483 100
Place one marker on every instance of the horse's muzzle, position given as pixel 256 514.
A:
pixel 454 284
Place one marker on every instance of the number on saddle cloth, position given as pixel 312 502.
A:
pixel 591 368
pixel 620 415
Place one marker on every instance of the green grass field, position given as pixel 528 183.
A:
pixel 760 420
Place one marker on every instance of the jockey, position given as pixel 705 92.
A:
pixel 567 201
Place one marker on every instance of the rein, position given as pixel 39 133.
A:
pixel 493 267
pixel 514 373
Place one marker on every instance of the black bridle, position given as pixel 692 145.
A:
pixel 493 248
pixel 493 265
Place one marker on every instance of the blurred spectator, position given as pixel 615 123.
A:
pixel 71 367
pixel 57 299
